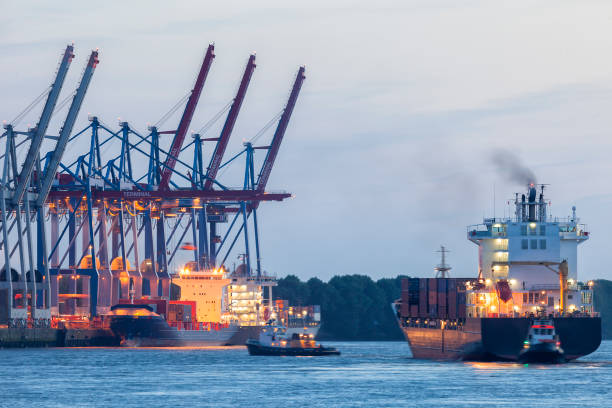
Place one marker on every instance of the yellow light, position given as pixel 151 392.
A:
pixel 493 308
pixel 488 281
pixel 516 308
pixel 556 307
pixel 591 283
pixel 532 225
pixel 513 282
pixel 543 292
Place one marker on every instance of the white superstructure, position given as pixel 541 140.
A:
pixel 208 288
pixel 523 253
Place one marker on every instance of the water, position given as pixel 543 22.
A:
pixel 368 374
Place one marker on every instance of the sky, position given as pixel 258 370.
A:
pixel 391 149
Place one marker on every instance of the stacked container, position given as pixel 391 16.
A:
pixel 442 298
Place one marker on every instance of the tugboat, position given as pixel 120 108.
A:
pixel 542 344
pixel 273 341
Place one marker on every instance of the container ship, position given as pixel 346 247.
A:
pixel 215 308
pixel 527 271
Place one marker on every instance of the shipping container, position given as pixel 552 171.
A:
pixel 413 289
pixel 442 298
pixel 442 312
pixel 404 309
pixel 461 305
pixel 423 297
pixel 451 291
pixel 432 288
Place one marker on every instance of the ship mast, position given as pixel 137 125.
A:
pixel 442 269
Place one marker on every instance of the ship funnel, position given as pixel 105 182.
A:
pixel 532 203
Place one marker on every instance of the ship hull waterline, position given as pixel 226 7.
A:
pixel 499 339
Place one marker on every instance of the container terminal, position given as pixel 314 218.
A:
pixel 526 300
pixel 91 240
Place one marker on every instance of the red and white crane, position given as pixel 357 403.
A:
pixel 215 160
pixel 192 102
pixel 274 147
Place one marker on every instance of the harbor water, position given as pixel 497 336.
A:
pixel 372 374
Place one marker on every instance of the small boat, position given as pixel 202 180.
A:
pixel 273 341
pixel 542 344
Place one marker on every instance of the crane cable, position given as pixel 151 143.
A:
pixel 172 110
pixel 31 106
pixel 266 127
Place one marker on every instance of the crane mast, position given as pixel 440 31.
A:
pixel 215 160
pixel 41 127
pixel 192 102
pixel 268 163
pixel 66 130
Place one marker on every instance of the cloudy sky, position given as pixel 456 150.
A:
pixel 391 149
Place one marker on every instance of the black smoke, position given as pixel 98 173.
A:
pixel 511 167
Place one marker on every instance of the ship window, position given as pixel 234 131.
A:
pixel 551 301
pixel 542 229
pixel 524 244
pixel 542 244
pixel 524 297
pixel 533 244
pixel 530 297
pixel 523 229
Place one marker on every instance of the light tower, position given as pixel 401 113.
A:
pixel 442 269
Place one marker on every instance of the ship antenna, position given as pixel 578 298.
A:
pixel 442 269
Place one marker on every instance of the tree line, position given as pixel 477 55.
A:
pixel 355 307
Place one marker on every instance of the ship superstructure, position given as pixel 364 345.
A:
pixel 207 288
pixel 526 255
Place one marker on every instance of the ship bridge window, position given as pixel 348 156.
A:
pixel 542 229
pixel 523 229
pixel 498 229
pixel 542 244
pixel 524 244
pixel 533 244
pixel 532 229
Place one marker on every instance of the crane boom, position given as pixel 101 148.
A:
pixel 266 167
pixel 215 160
pixel 192 102
pixel 66 130
pixel 41 127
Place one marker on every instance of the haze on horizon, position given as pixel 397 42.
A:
pixel 393 143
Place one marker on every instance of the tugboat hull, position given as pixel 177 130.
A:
pixel 498 339
pixel 256 349
pixel 542 353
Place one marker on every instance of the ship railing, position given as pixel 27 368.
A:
pixel 204 326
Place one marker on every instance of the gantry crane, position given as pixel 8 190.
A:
pixel 192 102
pixel 217 156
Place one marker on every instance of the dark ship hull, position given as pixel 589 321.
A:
pixel 256 349
pixel 495 339
pixel 138 326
